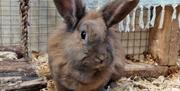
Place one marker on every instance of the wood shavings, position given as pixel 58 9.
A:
pixel 150 84
pixel 50 86
pixel 40 61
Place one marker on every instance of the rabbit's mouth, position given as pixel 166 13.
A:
pixel 93 63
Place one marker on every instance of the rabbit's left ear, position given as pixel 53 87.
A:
pixel 117 10
pixel 71 10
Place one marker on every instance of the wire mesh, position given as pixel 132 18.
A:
pixel 43 19
pixel 9 22
pixel 135 43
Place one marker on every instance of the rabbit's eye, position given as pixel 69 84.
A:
pixel 83 34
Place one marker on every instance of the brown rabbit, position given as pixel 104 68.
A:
pixel 84 52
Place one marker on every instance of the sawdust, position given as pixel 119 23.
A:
pixel 40 61
pixel 170 83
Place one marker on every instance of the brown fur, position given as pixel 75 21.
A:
pixel 85 64
pixel 91 80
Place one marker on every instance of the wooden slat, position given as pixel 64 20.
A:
pixel 143 70
pixel 16 67
pixel 17 49
pixel 32 85
pixel 173 43
pixel 19 75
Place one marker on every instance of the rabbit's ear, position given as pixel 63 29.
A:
pixel 117 10
pixel 71 10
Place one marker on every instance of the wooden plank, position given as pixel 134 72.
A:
pixel 31 85
pixel 143 70
pixel 17 49
pixel 16 67
pixel 178 10
pixel 173 43
pixel 19 75
pixel 162 44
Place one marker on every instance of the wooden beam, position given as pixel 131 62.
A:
pixel 16 67
pixel 31 85
pixel 17 49
pixel 141 69
pixel 19 75
pixel 173 40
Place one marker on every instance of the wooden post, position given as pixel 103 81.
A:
pixel 174 39
pixel 178 12
pixel 163 42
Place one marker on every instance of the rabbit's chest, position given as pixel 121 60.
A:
pixel 69 82
pixel 82 81
pixel 97 82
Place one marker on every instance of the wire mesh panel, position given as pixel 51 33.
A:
pixel 9 22
pixel 135 43
pixel 43 19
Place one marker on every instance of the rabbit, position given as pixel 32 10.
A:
pixel 85 52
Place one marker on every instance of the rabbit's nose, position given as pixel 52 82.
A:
pixel 100 59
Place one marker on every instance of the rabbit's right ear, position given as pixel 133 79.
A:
pixel 71 10
pixel 117 10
